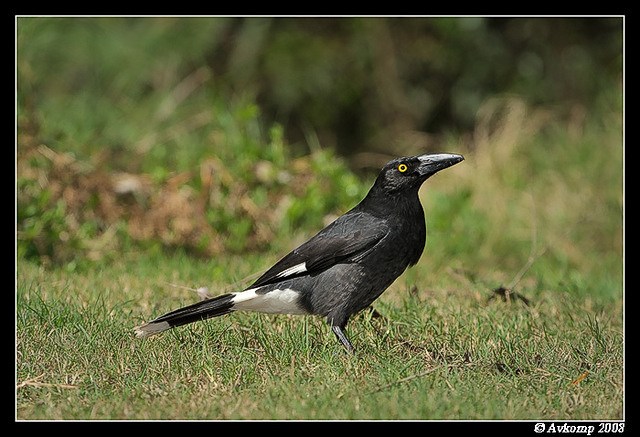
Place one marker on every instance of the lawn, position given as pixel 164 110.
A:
pixel 514 312
pixel 434 351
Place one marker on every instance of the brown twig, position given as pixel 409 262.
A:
pixel 35 383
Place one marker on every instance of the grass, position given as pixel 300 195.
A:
pixel 536 208
pixel 489 359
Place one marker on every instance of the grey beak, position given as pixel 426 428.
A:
pixel 430 164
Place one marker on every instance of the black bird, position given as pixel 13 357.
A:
pixel 343 268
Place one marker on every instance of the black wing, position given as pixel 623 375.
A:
pixel 347 239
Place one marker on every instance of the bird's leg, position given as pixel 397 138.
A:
pixel 343 339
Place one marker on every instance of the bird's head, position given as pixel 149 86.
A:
pixel 407 173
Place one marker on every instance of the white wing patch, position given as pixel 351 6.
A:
pixel 274 302
pixel 298 268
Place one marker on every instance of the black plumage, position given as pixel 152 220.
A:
pixel 346 266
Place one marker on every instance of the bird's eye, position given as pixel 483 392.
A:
pixel 402 168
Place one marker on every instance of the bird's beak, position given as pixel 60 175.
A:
pixel 430 164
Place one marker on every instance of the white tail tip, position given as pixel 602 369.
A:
pixel 149 329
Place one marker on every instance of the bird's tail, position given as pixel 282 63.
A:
pixel 218 306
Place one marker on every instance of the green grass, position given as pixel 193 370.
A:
pixel 77 357
pixel 537 206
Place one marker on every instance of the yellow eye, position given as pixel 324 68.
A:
pixel 402 168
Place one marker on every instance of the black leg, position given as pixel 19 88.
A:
pixel 343 339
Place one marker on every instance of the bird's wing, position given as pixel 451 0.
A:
pixel 347 239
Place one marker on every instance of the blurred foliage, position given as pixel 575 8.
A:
pixel 363 84
pixel 225 134
pixel 534 185
pixel 391 84
pixel 70 212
